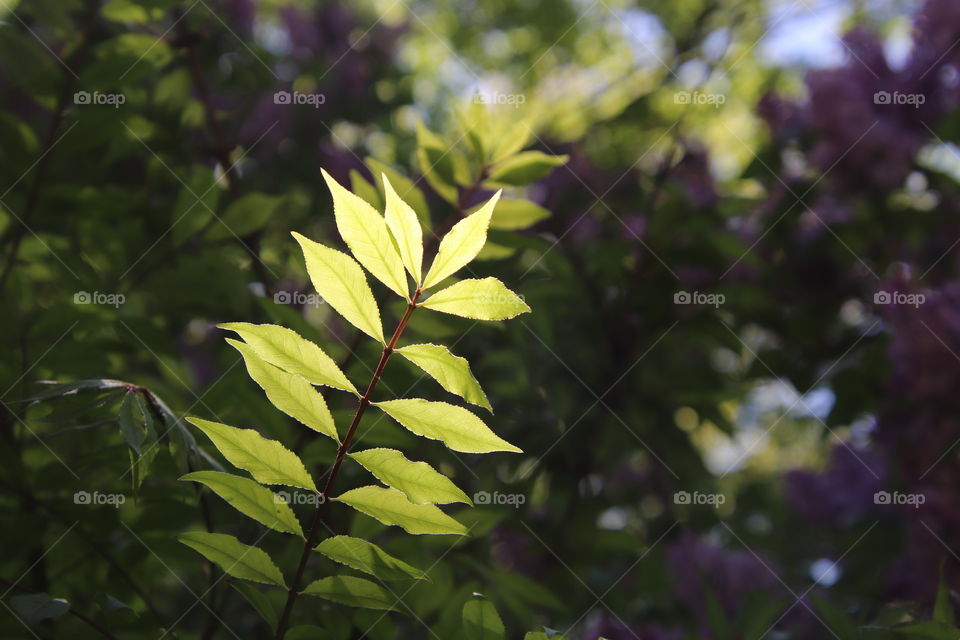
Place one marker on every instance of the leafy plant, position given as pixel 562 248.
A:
pixel 288 368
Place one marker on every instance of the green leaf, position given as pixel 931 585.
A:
pixel 404 186
pixel 942 608
pixel 486 299
pixel 268 461
pixel 461 244
pixel 459 429
pixel 250 499
pixel 406 230
pixel 360 186
pixel 526 167
pixel 834 618
pixel 234 557
pixel 481 621
pixel 286 349
pixel 131 426
pixel 245 215
pixel 452 372
pixel 435 163
pixel 259 602
pixel 288 392
pixel 367 557
pixel 512 215
pixel 421 483
pixel 340 281
pixel 392 508
pixel 365 232
pixel 38 606
pixel 354 592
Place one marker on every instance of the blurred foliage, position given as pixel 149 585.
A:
pixel 713 394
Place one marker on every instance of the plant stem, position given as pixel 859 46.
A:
pixel 335 467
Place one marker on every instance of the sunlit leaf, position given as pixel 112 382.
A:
pixel 391 507
pixel 234 557
pixel 288 392
pixel 367 557
pixel 452 372
pixel 288 350
pixel 340 281
pixel 405 227
pixel 354 592
pixel 365 232
pixel 250 499
pixel 461 244
pixel 268 461
pixel 421 483
pixel 459 429
pixel 486 299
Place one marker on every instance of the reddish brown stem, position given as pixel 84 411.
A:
pixel 310 541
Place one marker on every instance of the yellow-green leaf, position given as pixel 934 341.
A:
pixel 354 592
pixel 459 429
pixel 340 281
pixel 484 299
pixel 526 167
pixel 405 227
pixel 461 244
pixel 452 372
pixel 268 461
pixel 234 557
pixel 365 232
pixel 367 557
pixel 250 499
pixel 421 483
pixel 391 507
pixel 512 215
pixel 293 353
pixel 288 392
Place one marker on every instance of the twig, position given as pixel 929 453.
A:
pixel 310 541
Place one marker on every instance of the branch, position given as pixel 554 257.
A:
pixel 90 622
pixel 335 468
